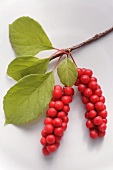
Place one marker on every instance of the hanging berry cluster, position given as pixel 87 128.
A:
pixel 57 119
pixel 92 97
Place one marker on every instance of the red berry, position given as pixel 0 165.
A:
pixel 94 98
pixel 52 112
pixel 92 114
pixel 102 99
pixel 70 99
pixel 84 79
pixel 66 108
pixel 45 151
pixel 57 138
pixel 98 92
pixel 57 94
pixel 77 82
pixel 43 141
pixel 81 87
pixel 52 104
pixel 88 72
pixel 65 99
pixel 49 128
pixel 93 134
pixel 104 120
pixel 61 114
pixel 64 126
pixel 102 127
pixel 58 131
pixel 97 120
pixel 57 87
pixel 65 119
pixel 44 133
pixel 50 139
pixel 103 113
pixel 48 120
pixel 85 99
pixel 87 115
pixel 69 91
pixel 89 106
pixel 88 92
pixel 83 69
pixel 51 148
pixel 80 72
pixel 92 85
pixel 101 134
pixel 59 105
pixel 93 79
pixel 99 106
pixel 57 122
pixel 98 87
pixel 104 106
pixel 57 144
pixel 89 124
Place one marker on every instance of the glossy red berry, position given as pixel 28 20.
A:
pixel 61 114
pixel 44 133
pixel 50 139
pixel 93 134
pixel 45 151
pixel 57 94
pixel 89 124
pixel 66 108
pixel 97 120
pixel 87 115
pixel 57 138
pixel 84 79
pixel 81 87
pixel 77 82
pixel 43 141
pixel 49 128
pixel 70 99
pixel 57 144
pixel 65 119
pixel 104 120
pixel 80 72
pixel 57 122
pixel 89 106
pixel 58 131
pixel 92 114
pixel 52 104
pixel 69 91
pixel 85 99
pixel 64 126
pixel 88 72
pixel 48 120
pixel 92 85
pixel 52 112
pixel 88 92
pixel 102 99
pixel 103 113
pixel 101 134
pixel 59 105
pixel 83 69
pixel 99 106
pixel 94 98
pixel 65 99
pixel 57 87
pixel 98 92
pixel 51 148
pixel 93 79
pixel 102 127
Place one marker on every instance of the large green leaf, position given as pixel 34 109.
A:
pixel 67 72
pixel 28 37
pixel 28 98
pixel 23 66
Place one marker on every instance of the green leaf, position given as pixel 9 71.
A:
pixel 26 100
pixel 67 72
pixel 23 66
pixel 28 37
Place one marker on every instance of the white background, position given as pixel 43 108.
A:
pixel 67 22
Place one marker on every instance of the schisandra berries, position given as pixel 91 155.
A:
pixel 57 119
pixel 95 102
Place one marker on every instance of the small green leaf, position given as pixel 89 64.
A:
pixel 23 66
pixel 28 98
pixel 67 72
pixel 28 37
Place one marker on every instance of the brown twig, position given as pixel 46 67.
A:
pixel 89 41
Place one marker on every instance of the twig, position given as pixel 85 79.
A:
pixel 89 41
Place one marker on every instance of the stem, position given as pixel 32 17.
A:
pixel 89 41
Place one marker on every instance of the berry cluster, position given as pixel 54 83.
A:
pixel 92 97
pixel 57 119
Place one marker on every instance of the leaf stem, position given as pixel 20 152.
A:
pixel 89 41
